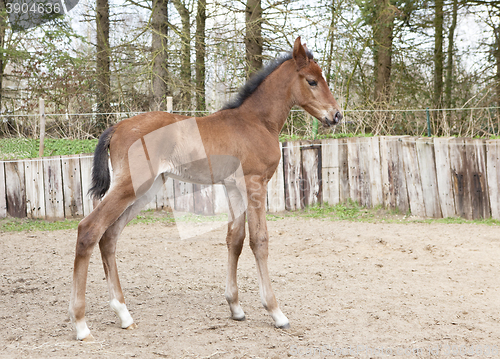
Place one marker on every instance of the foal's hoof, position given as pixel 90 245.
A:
pixel 131 326
pixel 285 326
pixel 89 338
pixel 240 319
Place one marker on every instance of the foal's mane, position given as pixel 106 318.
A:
pixel 256 79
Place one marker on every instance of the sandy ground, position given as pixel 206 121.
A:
pixel 349 289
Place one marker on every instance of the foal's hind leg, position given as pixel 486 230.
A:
pixel 90 231
pixel 107 245
pixel 234 239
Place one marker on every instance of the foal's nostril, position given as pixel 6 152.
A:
pixel 338 117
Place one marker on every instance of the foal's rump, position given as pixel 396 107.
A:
pixel 178 151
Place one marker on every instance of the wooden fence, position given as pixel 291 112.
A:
pixel 429 177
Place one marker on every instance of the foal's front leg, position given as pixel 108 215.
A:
pixel 259 239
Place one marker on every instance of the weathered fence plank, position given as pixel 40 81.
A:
pixel 393 176
pixel 354 170
pixel 220 199
pixel 375 172
pixel 427 167
pixel 444 177
pixel 493 171
pixel 165 196
pixel 3 199
pixel 203 201
pixel 184 199
pixel 413 179
pixel 475 150
pixel 344 188
pixel 52 181
pixel 15 189
pixel 276 189
pixel 310 188
pixel 72 186
pixel 364 181
pixel 330 171
pixel 35 193
pixel 86 178
pixel 292 171
pixel 151 204
pixel 459 178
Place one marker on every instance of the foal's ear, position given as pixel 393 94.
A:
pixel 299 54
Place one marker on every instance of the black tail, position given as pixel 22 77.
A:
pixel 100 169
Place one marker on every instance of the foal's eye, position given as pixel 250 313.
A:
pixel 312 83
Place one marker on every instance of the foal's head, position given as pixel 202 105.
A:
pixel 311 91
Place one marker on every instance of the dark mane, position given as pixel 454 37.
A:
pixel 255 80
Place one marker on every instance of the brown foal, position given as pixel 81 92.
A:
pixel 239 142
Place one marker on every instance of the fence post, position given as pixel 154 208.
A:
pixel 169 104
pixel 42 126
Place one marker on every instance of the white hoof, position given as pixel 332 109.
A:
pixel 280 320
pixel 83 331
pixel 237 313
pixel 122 312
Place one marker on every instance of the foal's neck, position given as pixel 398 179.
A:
pixel 271 102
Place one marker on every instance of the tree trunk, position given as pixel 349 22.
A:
pixel 102 63
pixel 159 43
pixel 253 36
pixel 200 55
pixel 330 52
pixel 382 36
pixel 438 53
pixel 497 60
pixel 449 60
pixel 185 96
pixel 3 62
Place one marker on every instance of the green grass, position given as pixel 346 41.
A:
pixel 145 217
pixel 349 211
pixel 151 216
pixel 34 225
pixel 20 148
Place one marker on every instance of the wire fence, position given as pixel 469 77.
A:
pixel 483 122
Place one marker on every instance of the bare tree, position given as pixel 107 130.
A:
pixel 201 17
pixel 3 28
pixel 102 62
pixel 331 38
pixel 253 36
pixel 449 55
pixel 385 15
pixel 438 52
pixel 185 71
pixel 159 45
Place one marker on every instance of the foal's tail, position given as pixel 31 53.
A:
pixel 100 169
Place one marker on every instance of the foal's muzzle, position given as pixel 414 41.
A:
pixel 336 119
